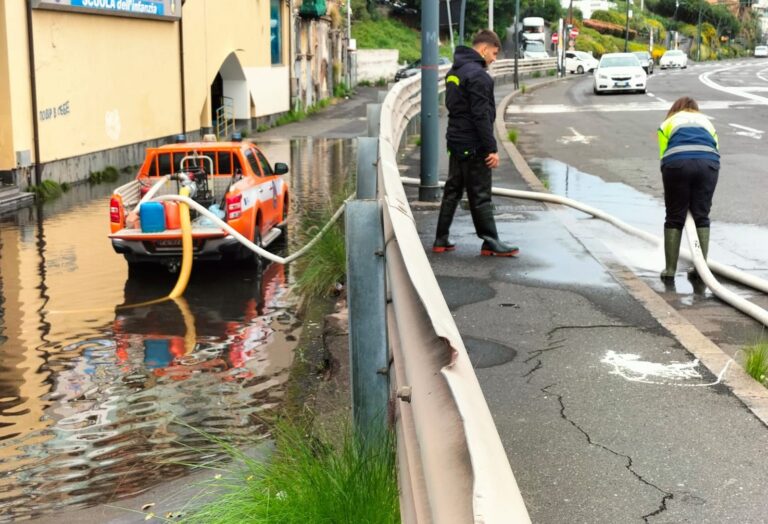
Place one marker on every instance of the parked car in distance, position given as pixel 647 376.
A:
pixel 761 51
pixel 674 58
pixel 415 68
pixel 646 60
pixel 619 72
pixel 580 62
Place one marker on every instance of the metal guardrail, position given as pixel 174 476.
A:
pixel 452 464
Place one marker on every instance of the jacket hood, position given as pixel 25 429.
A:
pixel 464 54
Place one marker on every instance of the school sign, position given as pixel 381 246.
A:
pixel 156 9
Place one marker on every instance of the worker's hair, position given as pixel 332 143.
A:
pixel 486 36
pixel 684 103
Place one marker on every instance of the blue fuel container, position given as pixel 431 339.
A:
pixel 152 217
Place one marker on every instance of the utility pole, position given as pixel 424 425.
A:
pixel 450 24
pixel 429 190
pixel 626 35
pixel 698 33
pixel 490 15
pixel 516 82
pixel 461 21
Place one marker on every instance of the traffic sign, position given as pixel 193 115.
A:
pixel 555 38
pixel 574 32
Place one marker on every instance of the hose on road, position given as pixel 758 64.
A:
pixel 703 267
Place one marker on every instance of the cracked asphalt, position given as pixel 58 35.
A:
pixel 588 443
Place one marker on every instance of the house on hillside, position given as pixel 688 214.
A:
pixel 587 7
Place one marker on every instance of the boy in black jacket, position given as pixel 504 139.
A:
pixel 471 144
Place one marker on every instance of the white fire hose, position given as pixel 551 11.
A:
pixel 702 266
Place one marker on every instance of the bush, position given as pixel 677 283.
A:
pixel 48 190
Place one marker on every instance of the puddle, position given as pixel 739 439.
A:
pixel 743 246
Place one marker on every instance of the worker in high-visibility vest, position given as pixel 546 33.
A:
pixel 690 166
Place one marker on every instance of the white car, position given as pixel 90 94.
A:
pixel 674 58
pixel 580 62
pixel 761 51
pixel 619 72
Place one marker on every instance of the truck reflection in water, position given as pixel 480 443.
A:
pixel 129 408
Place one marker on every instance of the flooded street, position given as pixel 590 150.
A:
pixel 98 402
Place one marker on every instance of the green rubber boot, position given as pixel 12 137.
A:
pixel 671 253
pixel 703 233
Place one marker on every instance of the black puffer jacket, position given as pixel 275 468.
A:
pixel 470 103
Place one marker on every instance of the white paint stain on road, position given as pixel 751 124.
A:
pixel 629 367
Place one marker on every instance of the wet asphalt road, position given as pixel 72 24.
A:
pixel 614 136
pixel 605 416
pixel 602 150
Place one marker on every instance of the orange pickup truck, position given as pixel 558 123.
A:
pixel 232 179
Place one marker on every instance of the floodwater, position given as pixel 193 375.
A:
pixel 99 403
pixel 744 246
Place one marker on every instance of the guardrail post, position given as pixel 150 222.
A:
pixel 367 154
pixel 373 114
pixel 366 296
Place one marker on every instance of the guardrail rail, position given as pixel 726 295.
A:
pixel 452 464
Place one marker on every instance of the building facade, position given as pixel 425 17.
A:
pixel 90 83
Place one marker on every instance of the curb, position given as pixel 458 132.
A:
pixel 753 395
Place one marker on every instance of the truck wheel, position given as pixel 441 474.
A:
pixel 252 260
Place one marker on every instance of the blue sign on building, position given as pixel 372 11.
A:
pixel 162 9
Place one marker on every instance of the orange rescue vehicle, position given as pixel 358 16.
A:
pixel 234 180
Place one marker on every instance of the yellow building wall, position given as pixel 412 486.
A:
pixel 104 82
pixel 7 156
pixel 212 32
pixel 18 85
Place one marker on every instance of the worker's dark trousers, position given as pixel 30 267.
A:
pixel 470 173
pixel 689 184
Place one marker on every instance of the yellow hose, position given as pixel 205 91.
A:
pixel 186 248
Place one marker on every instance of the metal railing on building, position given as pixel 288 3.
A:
pixel 225 118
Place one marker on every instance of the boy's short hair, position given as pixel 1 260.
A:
pixel 486 36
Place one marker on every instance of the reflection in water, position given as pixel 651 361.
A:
pixel 99 403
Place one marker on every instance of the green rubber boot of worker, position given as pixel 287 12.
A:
pixel 703 233
pixel 671 253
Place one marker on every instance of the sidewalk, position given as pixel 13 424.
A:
pixel 605 415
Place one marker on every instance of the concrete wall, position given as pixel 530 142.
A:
pixel 374 64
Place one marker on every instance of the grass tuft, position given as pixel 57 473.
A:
pixel 523 88
pixel 756 364
pixel 512 135
pixel 309 478
pixel 324 266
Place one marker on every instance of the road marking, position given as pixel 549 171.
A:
pixel 704 79
pixel 576 138
pixel 661 105
pixel 748 131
